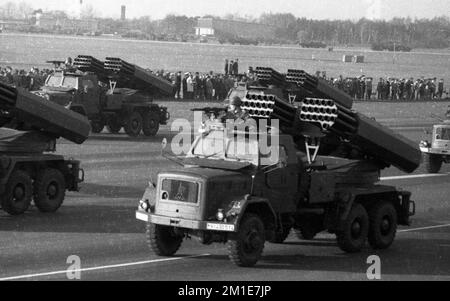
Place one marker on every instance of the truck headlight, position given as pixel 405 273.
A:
pixel 424 144
pixel 220 216
pixel 145 205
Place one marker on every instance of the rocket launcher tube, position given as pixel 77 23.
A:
pixel 386 145
pixel 44 115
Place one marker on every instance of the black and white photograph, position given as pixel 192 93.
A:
pixel 224 146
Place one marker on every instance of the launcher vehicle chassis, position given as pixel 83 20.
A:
pixel 29 169
pixel 325 177
pixel 113 93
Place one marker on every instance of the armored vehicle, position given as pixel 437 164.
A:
pixel 438 151
pixel 29 169
pixel 324 177
pixel 113 93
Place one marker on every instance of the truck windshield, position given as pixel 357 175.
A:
pixel 216 145
pixel 443 133
pixel 54 81
pixel 62 81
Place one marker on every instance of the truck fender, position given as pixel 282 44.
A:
pixel 78 109
pixel 259 206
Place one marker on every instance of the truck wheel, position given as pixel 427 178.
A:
pixel 97 127
pixel 433 163
pixel 113 127
pixel 280 237
pixel 246 248
pixel 133 125
pixel 353 235
pixel 383 225
pixel 151 124
pixel 162 240
pixel 49 190
pixel 306 233
pixel 19 191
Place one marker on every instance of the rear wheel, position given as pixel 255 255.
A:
pixel 97 127
pixel 133 126
pixel 19 191
pixel 151 124
pixel 352 236
pixel 433 163
pixel 114 126
pixel 246 248
pixel 306 233
pixel 280 237
pixel 162 240
pixel 383 225
pixel 49 190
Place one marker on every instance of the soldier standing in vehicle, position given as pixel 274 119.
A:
pixel 235 111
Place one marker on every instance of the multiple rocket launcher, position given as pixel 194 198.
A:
pixel 331 110
pixel 124 73
pixel 21 106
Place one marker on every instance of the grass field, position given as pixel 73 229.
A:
pixel 24 51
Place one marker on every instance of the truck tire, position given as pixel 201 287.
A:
pixel 383 225
pixel 113 127
pixel 49 190
pixel 151 124
pixel 133 124
pixel 246 248
pixel 280 237
pixel 352 236
pixel 433 163
pixel 162 240
pixel 18 194
pixel 97 127
pixel 306 233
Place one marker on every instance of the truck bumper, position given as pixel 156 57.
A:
pixel 185 223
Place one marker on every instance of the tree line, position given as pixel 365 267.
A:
pixel 416 33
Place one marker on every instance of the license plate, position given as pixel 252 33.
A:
pixel 220 227
pixel 142 216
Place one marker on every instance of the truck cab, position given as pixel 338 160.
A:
pixel 73 90
pixel 437 151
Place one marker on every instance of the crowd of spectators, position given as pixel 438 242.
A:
pixel 364 88
pixel 215 86
pixel 30 80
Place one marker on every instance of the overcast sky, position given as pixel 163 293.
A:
pixel 314 9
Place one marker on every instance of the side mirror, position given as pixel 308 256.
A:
pixel 164 144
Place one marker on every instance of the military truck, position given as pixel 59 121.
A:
pixel 113 93
pixel 29 169
pixel 324 178
pixel 438 151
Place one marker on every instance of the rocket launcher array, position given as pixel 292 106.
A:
pixel 332 109
pixel 269 106
pixel 134 77
pixel 37 112
pixel 87 63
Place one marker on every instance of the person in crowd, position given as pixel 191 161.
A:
pixel 440 90
pixel 190 87
pixel 227 66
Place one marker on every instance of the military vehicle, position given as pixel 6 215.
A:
pixel 438 151
pixel 29 169
pixel 113 93
pixel 324 178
